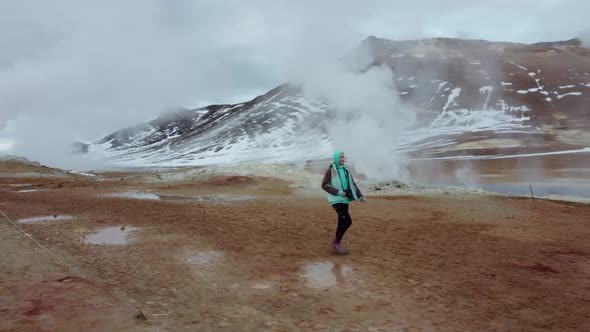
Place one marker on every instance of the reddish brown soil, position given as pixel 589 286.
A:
pixel 417 263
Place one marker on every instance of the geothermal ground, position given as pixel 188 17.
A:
pixel 197 249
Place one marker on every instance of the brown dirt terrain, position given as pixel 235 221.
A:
pixel 417 263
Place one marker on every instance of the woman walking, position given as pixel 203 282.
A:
pixel 341 189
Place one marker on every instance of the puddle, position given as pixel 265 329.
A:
pixel 204 257
pixel 326 274
pixel 204 198
pixel 28 190
pixel 540 189
pixel 134 195
pixel 261 285
pixel 110 235
pixel 45 218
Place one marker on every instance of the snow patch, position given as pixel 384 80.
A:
pixel 82 173
pixel 486 90
pixel 468 157
pixel 454 94
pixel 569 94
pixel 517 65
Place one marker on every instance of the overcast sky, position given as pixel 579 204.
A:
pixel 91 67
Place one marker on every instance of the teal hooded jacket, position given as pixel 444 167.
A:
pixel 337 179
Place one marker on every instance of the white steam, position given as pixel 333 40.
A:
pixel 366 116
pixel 74 70
pixel 86 69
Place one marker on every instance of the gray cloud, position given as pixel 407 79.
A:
pixel 87 68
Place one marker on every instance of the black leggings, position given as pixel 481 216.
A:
pixel 344 220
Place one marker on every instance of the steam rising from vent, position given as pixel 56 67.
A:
pixel 366 117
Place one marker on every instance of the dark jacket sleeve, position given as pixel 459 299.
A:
pixel 326 183
pixel 358 191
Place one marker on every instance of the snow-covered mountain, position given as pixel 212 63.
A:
pixel 279 126
pixel 472 98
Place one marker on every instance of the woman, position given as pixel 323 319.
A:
pixel 341 189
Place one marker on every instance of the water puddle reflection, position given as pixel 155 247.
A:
pixel 110 235
pixel 203 257
pixel 260 285
pixel 204 198
pixel 555 189
pixel 326 274
pixel 41 219
pixel 134 195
